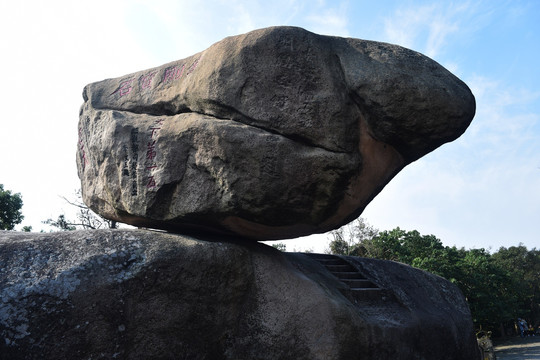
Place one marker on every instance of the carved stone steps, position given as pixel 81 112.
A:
pixel 359 286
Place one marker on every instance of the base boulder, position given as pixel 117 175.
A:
pixel 135 294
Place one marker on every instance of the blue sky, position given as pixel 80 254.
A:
pixel 482 190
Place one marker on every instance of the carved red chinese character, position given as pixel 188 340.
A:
pixel 151 182
pixel 193 66
pixel 81 148
pixel 173 73
pixel 124 88
pixel 154 130
pixel 145 81
pixel 151 150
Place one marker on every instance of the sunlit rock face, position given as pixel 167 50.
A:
pixel 273 134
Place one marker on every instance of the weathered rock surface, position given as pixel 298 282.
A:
pixel 134 294
pixel 276 133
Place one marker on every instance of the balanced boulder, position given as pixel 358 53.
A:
pixel 273 134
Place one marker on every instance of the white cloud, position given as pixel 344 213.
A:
pixel 404 25
pixel 440 28
pixel 181 28
pixel 504 117
pixel 329 20
pixel 426 28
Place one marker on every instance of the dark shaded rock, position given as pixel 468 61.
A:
pixel 133 294
pixel 273 134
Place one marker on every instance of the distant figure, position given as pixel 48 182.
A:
pixel 523 328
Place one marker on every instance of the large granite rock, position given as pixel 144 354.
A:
pixel 134 294
pixel 273 134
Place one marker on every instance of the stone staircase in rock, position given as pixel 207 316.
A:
pixel 360 288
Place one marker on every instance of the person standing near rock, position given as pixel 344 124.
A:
pixel 522 325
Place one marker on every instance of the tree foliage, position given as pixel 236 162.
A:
pixel 86 218
pixel 61 223
pixel 498 287
pixel 280 246
pixel 349 239
pixel 523 266
pixel 10 209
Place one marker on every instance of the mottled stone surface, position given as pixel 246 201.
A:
pixel 273 134
pixel 134 294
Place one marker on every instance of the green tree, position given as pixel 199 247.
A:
pixel 280 246
pixel 86 218
pixel 349 239
pixel 523 267
pixel 61 223
pixel 386 245
pixel 489 289
pixel 443 262
pixel 10 209
pixel 410 247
